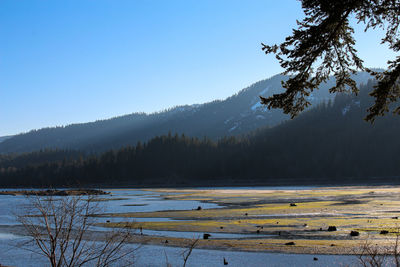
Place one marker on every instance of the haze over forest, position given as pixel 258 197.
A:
pixel 236 115
pixel 235 141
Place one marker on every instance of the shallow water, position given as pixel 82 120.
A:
pixel 150 255
pixel 211 258
pixel 151 201
pixel 8 236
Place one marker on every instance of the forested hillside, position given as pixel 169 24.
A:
pixel 328 144
pixel 235 115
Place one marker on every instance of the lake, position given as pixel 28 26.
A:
pixel 153 201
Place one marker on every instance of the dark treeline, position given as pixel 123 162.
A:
pixel 18 160
pixel 328 144
pixel 164 159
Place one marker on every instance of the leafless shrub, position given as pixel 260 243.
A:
pixel 59 228
pixel 373 255
pixel 186 254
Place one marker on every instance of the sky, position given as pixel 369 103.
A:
pixel 64 62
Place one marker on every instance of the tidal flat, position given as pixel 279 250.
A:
pixel 308 220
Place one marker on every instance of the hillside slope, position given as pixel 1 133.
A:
pixel 329 144
pixel 235 115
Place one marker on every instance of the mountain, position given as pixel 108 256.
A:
pixel 235 115
pixel 328 144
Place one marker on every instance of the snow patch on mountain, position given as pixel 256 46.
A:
pixel 345 110
pixel 256 106
pixel 236 124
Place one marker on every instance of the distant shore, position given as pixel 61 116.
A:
pixel 55 192
pixel 279 182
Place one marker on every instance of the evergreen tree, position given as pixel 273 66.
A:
pixel 323 45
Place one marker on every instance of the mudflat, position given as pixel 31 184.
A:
pixel 328 220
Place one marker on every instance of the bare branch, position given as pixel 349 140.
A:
pixel 60 229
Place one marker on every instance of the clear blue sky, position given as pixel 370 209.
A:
pixel 63 62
